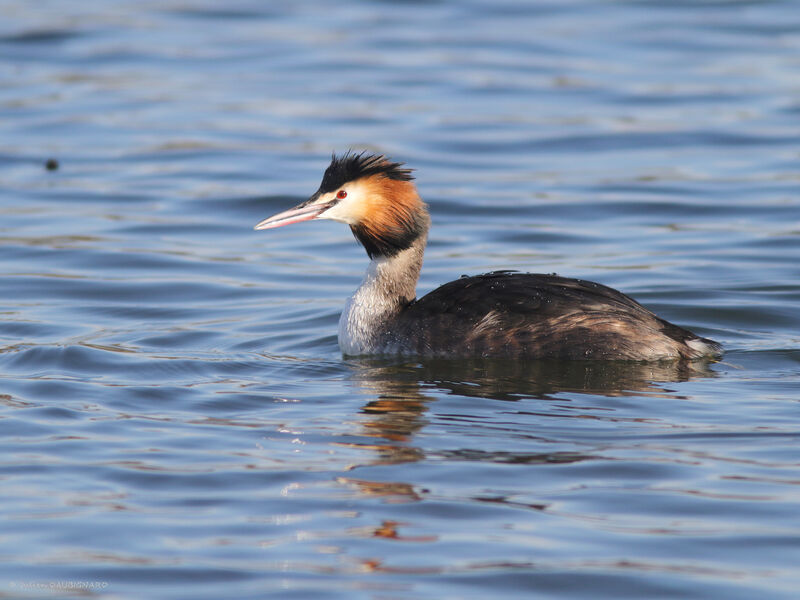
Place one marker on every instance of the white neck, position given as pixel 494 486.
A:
pixel 389 284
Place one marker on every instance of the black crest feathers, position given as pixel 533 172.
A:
pixel 351 166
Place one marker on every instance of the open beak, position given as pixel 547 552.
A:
pixel 302 212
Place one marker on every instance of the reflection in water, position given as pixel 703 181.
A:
pixel 395 414
pixel 400 395
pixel 388 530
pixel 397 410
pixel 513 380
pixel 390 490
pixel 399 387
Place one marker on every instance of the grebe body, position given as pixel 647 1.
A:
pixel 498 314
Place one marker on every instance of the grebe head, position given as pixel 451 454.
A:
pixel 373 195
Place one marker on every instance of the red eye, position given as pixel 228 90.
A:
pixel 341 194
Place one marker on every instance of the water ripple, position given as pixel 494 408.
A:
pixel 175 416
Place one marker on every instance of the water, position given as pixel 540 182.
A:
pixel 177 420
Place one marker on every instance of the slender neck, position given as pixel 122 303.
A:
pixel 389 284
pixel 392 280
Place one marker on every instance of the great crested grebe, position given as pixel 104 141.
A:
pixel 499 314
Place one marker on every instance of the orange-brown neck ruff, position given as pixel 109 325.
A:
pixel 393 216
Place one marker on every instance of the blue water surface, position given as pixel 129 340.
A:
pixel 176 420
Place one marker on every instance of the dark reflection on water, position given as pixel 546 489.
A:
pixel 513 380
pixel 403 392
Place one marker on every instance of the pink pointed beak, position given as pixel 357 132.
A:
pixel 301 212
